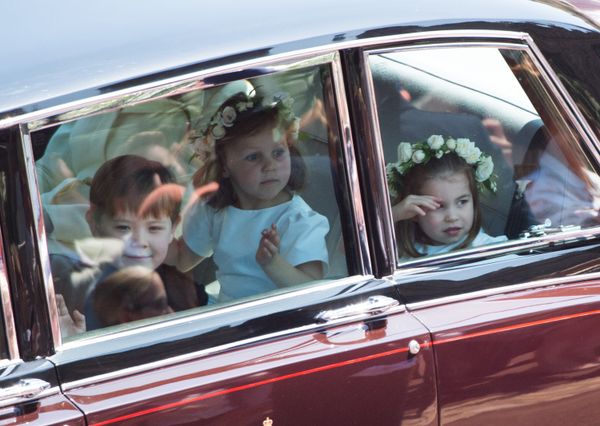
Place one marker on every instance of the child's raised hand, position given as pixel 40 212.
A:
pixel 268 247
pixel 414 205
pixel 69 325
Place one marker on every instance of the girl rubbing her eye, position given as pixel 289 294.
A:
pixel 262 234
pixel 437 183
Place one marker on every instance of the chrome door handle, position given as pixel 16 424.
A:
pixel 26 388
pixel 372 306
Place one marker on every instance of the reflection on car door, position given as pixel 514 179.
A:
pixel 508 355
pixel 343 362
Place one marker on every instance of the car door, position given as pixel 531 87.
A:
pixel 340 350
pixel 513 324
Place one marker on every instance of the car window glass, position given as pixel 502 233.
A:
pixel 191 201
pixel 477 152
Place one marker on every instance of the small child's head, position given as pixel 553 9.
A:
pixel 134 199
pixel 251 152
pixel 451 174
pixel 130 294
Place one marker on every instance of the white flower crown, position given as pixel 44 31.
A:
pixel 226 116
pixel 410 155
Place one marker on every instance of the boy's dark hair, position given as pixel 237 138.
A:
pixel 408 231
pixel 124 183
pixel 247 123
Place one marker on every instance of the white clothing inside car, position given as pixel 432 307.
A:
pixel 233 235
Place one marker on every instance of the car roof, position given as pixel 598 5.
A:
pixel 53 49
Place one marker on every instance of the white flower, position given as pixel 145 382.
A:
pixel 435 142
pixel 228 116
pixel 473 155
pixel 484 169
pixel 404 152
pixel 451 144
pixel 204 148
pixel 439 154
pixel 218 131
pixel 418 156
pixel 463 146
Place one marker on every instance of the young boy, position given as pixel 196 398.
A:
pixel 134 209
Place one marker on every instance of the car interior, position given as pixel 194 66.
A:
pixel 464 88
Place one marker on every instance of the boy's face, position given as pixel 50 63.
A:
pixel 146 239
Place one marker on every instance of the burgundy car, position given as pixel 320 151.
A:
pixel 495 333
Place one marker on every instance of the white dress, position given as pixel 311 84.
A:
pixel 481 239
pixel 233 236
pixel 555 192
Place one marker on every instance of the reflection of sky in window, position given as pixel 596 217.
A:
pixel 479 68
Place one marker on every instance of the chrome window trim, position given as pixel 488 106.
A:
pixel 219 311
pixel 7 311
pixel 548 282
pixel 352 179
pixel 499 249
pixel 40 230
pixel 188 357
pixel 387 229
pixel 449 44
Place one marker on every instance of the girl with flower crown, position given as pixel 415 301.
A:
pixel 262 234
pixel 437 184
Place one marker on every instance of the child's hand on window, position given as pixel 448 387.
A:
pixel 414 205
pixel 69 324
pixel 268 247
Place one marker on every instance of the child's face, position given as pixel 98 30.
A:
pixel 259 168
pixel 146 239
pixel 454 218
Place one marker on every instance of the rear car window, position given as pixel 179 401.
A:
pixel 190 201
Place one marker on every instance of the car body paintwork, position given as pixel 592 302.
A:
pixel 290 380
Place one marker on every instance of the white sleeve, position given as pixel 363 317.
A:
pixel 197 232
pixel 303 238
